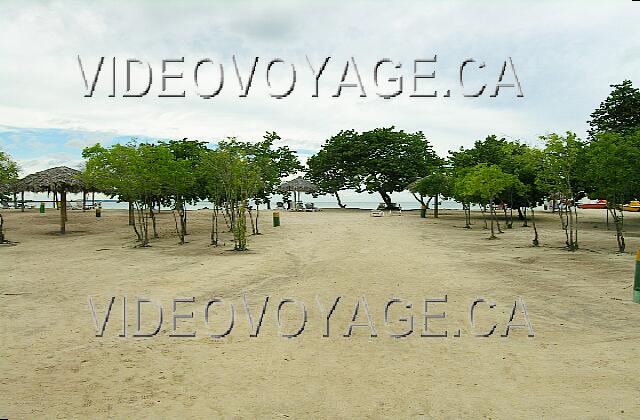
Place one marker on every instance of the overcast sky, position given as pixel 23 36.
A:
pixel 566 54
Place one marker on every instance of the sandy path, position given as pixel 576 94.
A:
pixel 582 362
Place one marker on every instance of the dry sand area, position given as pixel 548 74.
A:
pixel 583 361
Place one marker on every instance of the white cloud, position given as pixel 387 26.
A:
pixel 566 55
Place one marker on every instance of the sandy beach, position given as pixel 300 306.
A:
pixel 582 362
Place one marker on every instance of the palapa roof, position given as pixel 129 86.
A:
pixel 60 178
pixel 298 184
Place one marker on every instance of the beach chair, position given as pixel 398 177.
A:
pixel 310 207
pixel 395 210
pixel 376 213
pixel 279 205
pixel 299 206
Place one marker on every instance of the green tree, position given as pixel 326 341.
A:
pixel 381 161
pixel 269 162
pixel 612 162
pixel 486 182
pixel 332 168
pixel 618 113
pixel 561 176
pixel 186 188
pixel 437 184
pixel 8 174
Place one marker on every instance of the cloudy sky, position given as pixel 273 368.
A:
pixel 566 54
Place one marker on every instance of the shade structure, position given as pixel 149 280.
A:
pixel 298 185
pixel 61 179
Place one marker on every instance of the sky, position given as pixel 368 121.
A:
pixel 565 54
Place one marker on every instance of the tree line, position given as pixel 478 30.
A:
pixel 497 174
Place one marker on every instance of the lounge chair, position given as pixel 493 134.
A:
pixel 376 213
pixel 394 209
pixel 279 205
pixel 310 207
pixel 299 206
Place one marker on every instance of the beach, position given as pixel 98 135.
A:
pixel 578 358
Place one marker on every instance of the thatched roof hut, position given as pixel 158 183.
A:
pixel 60 179
pixel 298 184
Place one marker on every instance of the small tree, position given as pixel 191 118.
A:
pixel 486 182
pixel 437 184
pixel 612 162
pixel 8 174
pixel 562 156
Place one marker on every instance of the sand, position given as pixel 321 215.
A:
pixel 583 361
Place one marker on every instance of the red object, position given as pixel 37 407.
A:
pixel 599 204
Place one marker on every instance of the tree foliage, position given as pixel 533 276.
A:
pixel 618 113
pixel 383 161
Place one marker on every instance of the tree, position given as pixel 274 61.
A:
pixel 611 162
pixel 503 153
pixel 8 174
pixel 437 184
pixel 332 169
pixel 140 174
pixel 380 161
pixel 486 182
pixel 270 163
pixel 561 164
pixel 619 113
pixel 185 188
pixel 529 170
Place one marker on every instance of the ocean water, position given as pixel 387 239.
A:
pixel 351 199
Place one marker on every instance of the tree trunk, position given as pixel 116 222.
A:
pixel 84 201
pixel 63 211
pixel 143 221
pixel 618 221
pixel 535 229
pixel 520 216
pixel 2 239
pixel 467 215
pixel 132 217
pixel 386 198
pixel 495 216
pixel 435 206
pixel 339 201
pixel 153 222
pixel 214 226
pixel 253 226
pixel 419 199
pixel 483 210
pixel 524 219
pixel 491 211
pixel 22 201
pixel 257 215
pixel 576 245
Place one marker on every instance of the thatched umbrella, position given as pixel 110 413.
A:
pixel 298 185
pixel 60 179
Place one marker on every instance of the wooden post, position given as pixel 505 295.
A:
pixel 93 198
pixel 15 200
pixel 84 200
pixel 22 200
pixel 63 211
